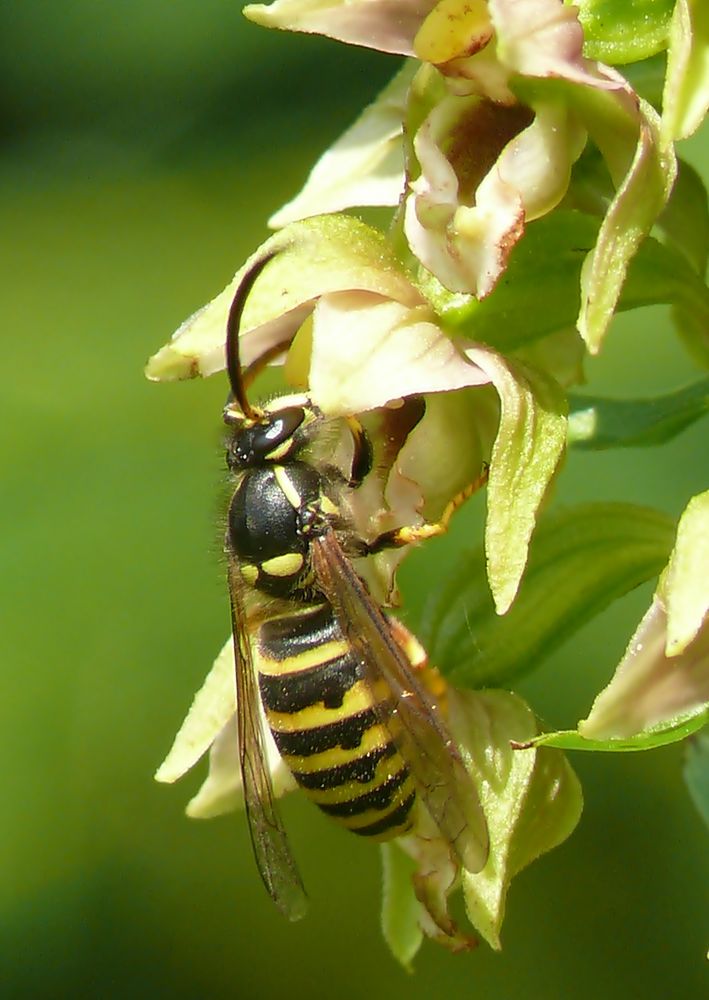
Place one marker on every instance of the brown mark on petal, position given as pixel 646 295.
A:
pixel 443 929
pixel 478 139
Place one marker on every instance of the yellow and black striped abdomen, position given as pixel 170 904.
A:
pixel 323 718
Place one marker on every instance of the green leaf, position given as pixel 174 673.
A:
pixel 596 423
pixel 692 326
pixel 684 588
pixel 686 95
pixel 658 273
pixel 696 773
pixel 684 223
pixel 581 560
pixel 671 732
pixel 621 31
pixel 532 801
pixel 400 908
pixel 527 450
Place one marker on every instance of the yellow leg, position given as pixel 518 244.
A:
pixel 419 533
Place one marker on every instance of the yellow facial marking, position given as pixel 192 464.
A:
pixel 249 573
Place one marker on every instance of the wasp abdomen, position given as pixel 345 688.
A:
pixel 325 722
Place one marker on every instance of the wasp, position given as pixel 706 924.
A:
pixel 334 676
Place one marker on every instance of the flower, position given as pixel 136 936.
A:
pixel 662 681
pixel 498 114
pixel 363 339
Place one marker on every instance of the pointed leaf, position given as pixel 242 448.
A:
pixel 581 559
pixel 212 707
pixel 684 223
pixel 596 423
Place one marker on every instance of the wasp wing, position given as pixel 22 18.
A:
pixel 268 836
pixel 416 728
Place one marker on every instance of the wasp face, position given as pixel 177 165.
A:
pixel 270 437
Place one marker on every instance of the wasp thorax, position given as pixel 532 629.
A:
pixel 267 525
pixel 270 438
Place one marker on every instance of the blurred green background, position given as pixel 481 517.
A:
pixel 144 144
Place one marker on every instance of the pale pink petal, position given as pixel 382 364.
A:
pixel 365 166
pixel 368 351
pixel 650 688
pixel 543 38
pixel 222 790
pixel 386 25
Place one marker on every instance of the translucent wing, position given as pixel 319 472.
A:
pixel 268 836
pixel 411 718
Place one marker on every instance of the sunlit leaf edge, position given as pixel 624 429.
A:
pixel 597 423
pixel 672 731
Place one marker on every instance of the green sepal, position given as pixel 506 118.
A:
pixel 686 95
pixel 525 456
pixel 532 801
pixel 622 31
pixel 684 586
pixel 581 559
pixel 322 254
pixel 642 192
pixel 540 293
pixel 596 423
pixel 400 908
pixel 671 731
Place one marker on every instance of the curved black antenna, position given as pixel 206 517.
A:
pixel 233 329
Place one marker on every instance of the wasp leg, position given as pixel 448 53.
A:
pixel 409 534
pixel 363 454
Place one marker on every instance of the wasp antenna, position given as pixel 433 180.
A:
pixel 233 329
